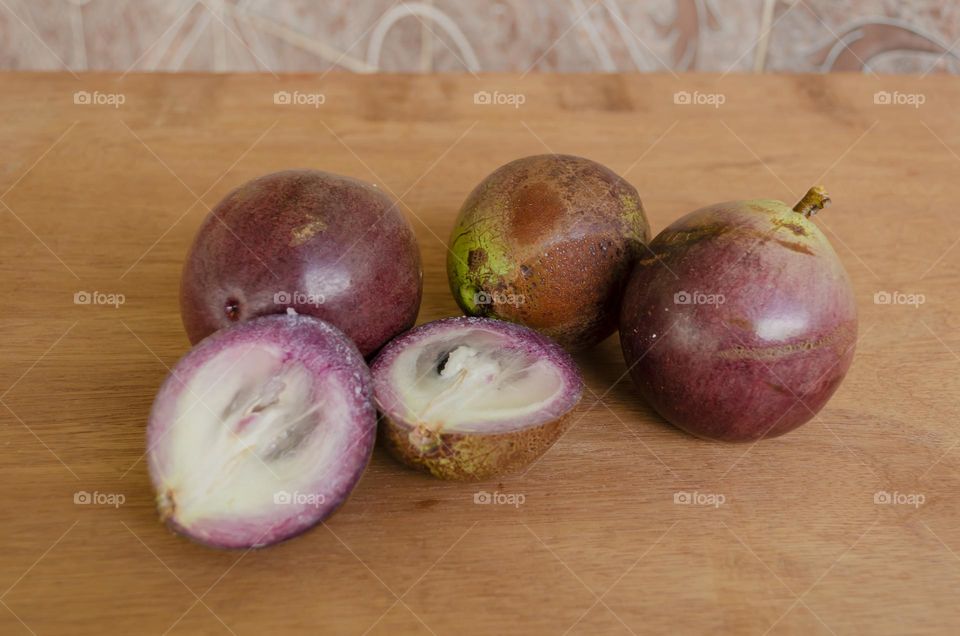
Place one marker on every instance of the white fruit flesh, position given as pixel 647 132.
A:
pixel 249 424
pixel 469 382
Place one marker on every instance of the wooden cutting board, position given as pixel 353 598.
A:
pixel 105 178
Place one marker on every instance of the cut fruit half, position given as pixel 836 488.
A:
pixel 260 432
pixel 470 398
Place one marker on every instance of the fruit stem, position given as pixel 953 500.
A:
pixel 813 201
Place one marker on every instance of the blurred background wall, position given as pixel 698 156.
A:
pixel 881 36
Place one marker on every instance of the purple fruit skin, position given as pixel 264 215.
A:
pixel 306 232
pixel 323 349
pixel 768 358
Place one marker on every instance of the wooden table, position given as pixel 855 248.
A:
pixel 105 197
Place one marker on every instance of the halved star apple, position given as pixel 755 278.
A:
pixel 469 398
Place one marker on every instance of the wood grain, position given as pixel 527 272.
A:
pixel 106 199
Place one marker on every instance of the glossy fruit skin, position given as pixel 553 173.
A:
pixel 325 351
pixel 548 241
pixel 326 245
pixel 767 358
pixel 475 456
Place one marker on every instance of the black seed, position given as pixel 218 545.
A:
pixel 441 365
